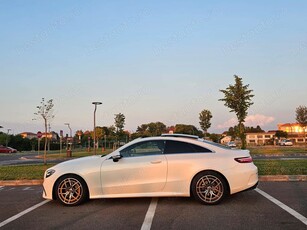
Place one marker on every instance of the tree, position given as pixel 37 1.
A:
pixel 45 111
pixel 204 120
pixel 156 128
pixel 142 130
pixel 253 130
pixel 237 97
pixel 150 129
pixel 99 133
pixel 215 137
pixel 119 122
pixel 233 132
pixel 279 134
pixel 301 118
pixel 187 129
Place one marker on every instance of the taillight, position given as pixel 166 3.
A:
pixel 244 159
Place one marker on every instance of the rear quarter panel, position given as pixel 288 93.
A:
pixel 183 167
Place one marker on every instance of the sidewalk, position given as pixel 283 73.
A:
pixel 277 178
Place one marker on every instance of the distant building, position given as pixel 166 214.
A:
pixel 291 128
pixel 225 140
pixel 295 132
pixel 28 135
pixel 263 138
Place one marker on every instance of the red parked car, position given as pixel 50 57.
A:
pixel 4 149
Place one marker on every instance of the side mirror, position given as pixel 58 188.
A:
pixel 116 158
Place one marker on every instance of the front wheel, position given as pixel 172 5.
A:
pixel 71 190
pixel 209 188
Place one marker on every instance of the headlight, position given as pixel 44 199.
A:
pixel 49 172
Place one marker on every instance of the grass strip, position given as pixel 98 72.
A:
pixel 281 167
pixel 278 150
pixel 23 172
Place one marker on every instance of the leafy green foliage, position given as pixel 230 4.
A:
pixel 3 138
pixel 204 120
pixel 237 98
pixel 119 122
pixel 215 137
pixel 301 118
pixel 301 115
pixel 279 134
pixel 187 129
pixel 150 129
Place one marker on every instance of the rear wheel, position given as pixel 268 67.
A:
pixel 209 188
pixel 71 190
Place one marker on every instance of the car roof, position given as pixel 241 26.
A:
pixel 179 135
pixel 214 147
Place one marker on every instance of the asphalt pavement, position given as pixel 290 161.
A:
pixel 25 209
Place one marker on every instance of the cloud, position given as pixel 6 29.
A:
pixel 230 123
pixel 251 120
pixel 258 119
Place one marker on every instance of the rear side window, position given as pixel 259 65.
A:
pixel 173 147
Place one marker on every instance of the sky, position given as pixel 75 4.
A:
pixel 150 60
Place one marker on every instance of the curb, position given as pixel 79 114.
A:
pixel 271 178
pixel 280 178
pixel 20 182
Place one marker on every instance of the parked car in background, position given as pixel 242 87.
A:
pixel 4 149
pixel 165 166
pixel 231 144
pixel 286 142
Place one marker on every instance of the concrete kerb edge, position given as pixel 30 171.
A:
pixel 20 182
pixel 277 178
pixel 283 178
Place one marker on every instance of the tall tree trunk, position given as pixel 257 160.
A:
pixel 305 143
pixel 45 149
pixel 242 135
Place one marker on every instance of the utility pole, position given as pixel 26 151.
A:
pixel 95 103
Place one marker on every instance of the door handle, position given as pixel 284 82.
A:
pixel 156 162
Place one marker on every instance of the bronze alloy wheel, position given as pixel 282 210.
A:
pixel 209 188
pixel 71 190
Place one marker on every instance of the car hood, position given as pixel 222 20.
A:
pixel 80 163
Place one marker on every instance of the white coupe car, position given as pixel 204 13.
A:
pixel 165 166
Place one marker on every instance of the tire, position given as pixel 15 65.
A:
pixel 209 188
pixel 71 190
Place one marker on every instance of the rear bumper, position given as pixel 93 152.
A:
pixel 243 178
pixel 251 188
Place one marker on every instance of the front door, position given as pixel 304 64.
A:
pixel 142 169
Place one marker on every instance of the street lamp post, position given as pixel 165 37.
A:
pixel 95 103
pixel 69 149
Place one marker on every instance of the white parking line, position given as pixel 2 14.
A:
pixel 9 220
pixel 283 206
pixel 150 214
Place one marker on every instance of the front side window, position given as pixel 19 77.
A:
pixel 173 147
pixel 145 148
